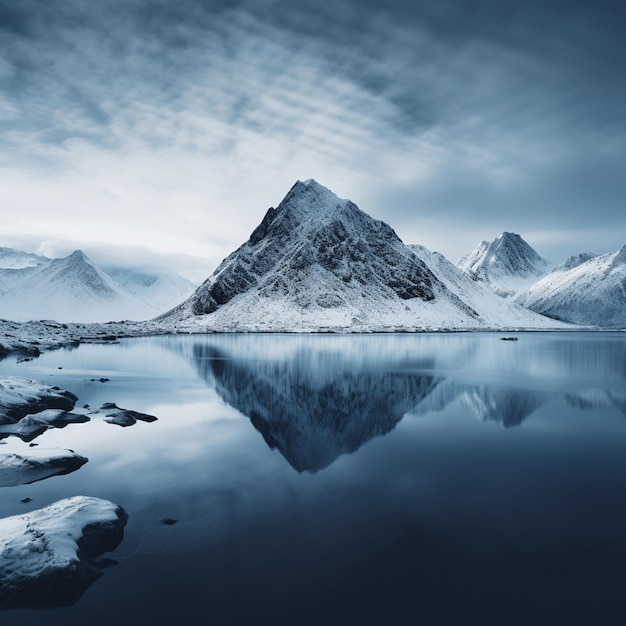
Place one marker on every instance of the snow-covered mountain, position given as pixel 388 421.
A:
pixel 159 290
pixel 75 289
pixel 575 260
pixel 591 293
pixel 508 265
pixel 318 262
pixel 495 310
pixel 68 289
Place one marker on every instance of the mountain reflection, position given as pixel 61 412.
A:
pixel 315 398
pixel 594 398
pixel 310 413
pixel 507 406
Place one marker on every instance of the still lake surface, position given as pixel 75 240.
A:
pixel 381 479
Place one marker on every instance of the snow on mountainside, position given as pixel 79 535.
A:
pixel 74 289
pixel 16 259
pixel 592 293
pixel 508 265
pixel 493 309
pixel 318 262
pixel 575 260
pixel 159 290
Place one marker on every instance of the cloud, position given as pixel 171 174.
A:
pixel 172 126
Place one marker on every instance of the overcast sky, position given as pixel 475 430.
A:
pixel 151 131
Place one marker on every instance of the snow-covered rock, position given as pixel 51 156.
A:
pixel 319 263
pixel 47 556
pixel 20 397
pixel 591 293
pixel 508 265
pixel 22 467
pixel 28 408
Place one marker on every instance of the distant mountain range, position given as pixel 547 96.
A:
pixel 318 263
pixel 74 288
pixel 587 289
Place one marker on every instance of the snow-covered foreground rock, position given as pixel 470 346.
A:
pixel 318 263
pixel 47 556
pixel 20 397
pixel 591 293
pixel 32 464
pixel 507 265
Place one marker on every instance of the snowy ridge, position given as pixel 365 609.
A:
pixel 575 260
pixel 508 265
pixel 592 293
pixel 318 263
pixel 16 259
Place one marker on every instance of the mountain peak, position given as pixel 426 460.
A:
pixel 506 264
pixel 78 255
pixel 620 257
pixel 311 196
pixel 316 253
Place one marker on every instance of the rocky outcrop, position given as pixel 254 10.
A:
pixel 48 557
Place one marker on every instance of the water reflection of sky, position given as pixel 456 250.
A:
pixel 393 469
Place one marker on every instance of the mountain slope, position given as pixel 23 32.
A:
pixel 592 293
pixel 160 291
pixel 318 262
pixel 494 310
pixel 508 265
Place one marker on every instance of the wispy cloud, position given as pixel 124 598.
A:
pixel 172 126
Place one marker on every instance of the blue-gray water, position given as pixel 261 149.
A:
pixel 400 479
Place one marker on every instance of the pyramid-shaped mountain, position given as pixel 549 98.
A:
pixel 319 263
pixel 508 265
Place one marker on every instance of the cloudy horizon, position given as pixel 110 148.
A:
pixel 159 132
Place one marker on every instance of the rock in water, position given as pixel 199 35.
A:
pixel 31 465
pixel 47 556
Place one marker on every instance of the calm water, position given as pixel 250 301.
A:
pixel 428 479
